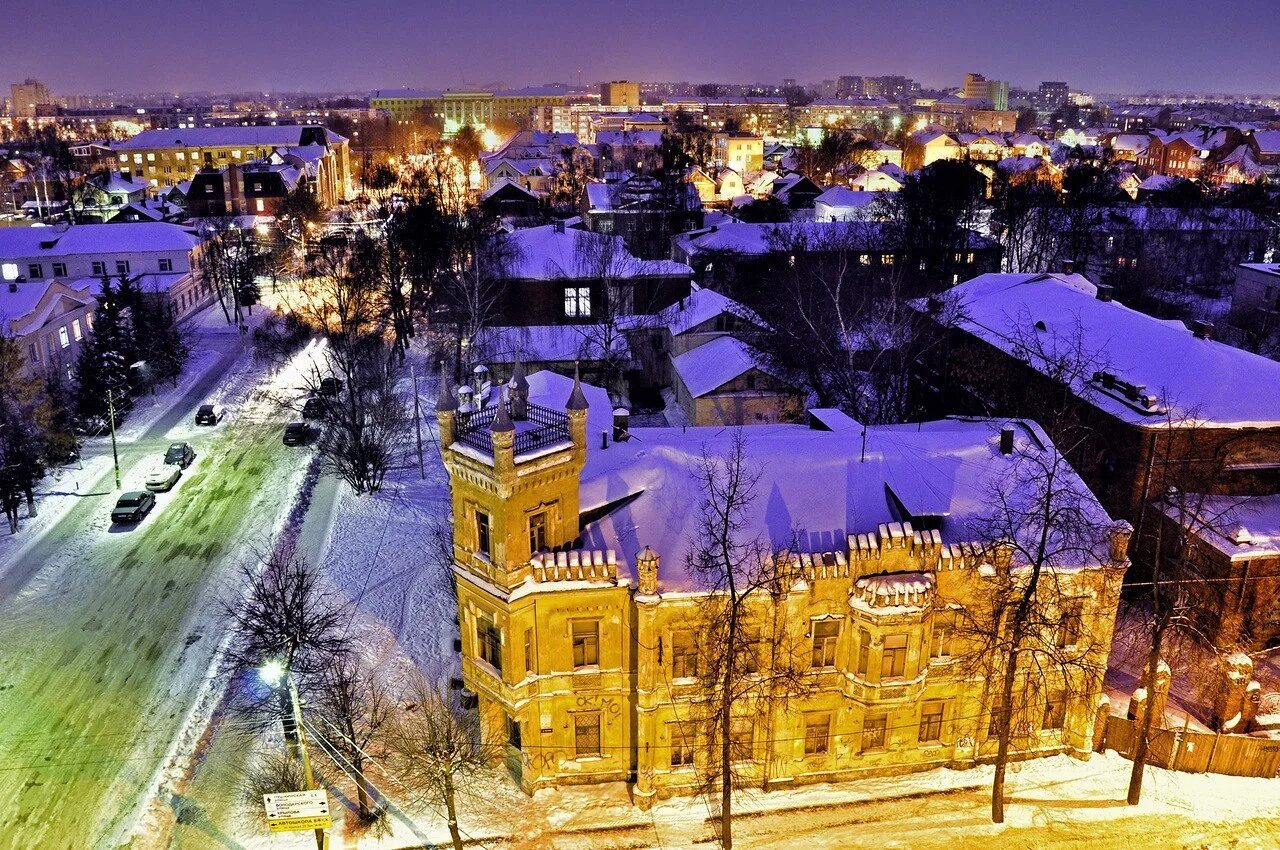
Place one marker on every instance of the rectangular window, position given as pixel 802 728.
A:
pixel 681 737
pixel 750 655
pixel 528 650
pixel 1055 710
pixel 1070 627
pixel 538 532
pixel 513 733
pixel 940 645
pixel 34 352
pixel 684 657
pixel 742 740
pixel 122 266
pixel 873 729
pixel 260 205
pixel 893 658
pixel 864 651
pixel 586 643
pixel 488 642
pixel 586 733
pixel 64 339
pixel 35 271
pixel 931 722
pixel 59 269
pixel 166 264
pixel 482 532
pixel 817 734
pixel 76 331
pixel 577 301
pixel 825 633
pixel 99 268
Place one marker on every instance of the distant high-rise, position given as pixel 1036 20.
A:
pixel 849 86
pixel 620 93
pixel 893 87
pixel 25 96
pixel 978 87
pixel 1053 95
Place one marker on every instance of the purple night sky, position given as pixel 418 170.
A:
pixel 1120 46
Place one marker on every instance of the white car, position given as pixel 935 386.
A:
pixel 163 477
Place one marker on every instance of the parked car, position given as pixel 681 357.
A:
pixel 180 454
pixel 314 407
pixel 210 414
pixel 297 433
pixel 330 386
pixel 131 507
pixel 163 477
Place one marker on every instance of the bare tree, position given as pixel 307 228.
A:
pixel 356 703
pixel 230 262
pixel 746 657
pixel 367 427
pixel 1023 628
pixel 437 746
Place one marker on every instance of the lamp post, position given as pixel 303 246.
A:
pixel 111 421
pixel 275 673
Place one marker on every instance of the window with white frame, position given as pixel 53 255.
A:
pixel 577 301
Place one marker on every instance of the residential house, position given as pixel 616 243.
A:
pixel 578 608
pixel 645 211
pixel 48 320
pixel 723 383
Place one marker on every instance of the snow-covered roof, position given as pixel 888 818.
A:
pixel 754 239
pixel 502 183
pixel 712 365
pixel 548 343
pixel 701 306
pixel 95 239
pixel 552 253
pixel 281 135
pixel 1268 142
pixel 20 303
pixel 1203 379
pixel 815 487
pixel 1240 527
pixel 1161 182
pixel 840 196
pixel 637 138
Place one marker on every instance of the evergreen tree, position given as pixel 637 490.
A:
pixel 102 370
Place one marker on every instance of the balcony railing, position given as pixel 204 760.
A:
pixel 540 428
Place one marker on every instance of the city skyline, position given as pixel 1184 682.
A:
pixel 437 45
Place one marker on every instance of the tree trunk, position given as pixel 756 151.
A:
pixel 1006 732
pixel 31 503
pixel 1144 733
pixel 726 780
pixel 452 811
pixel 362 791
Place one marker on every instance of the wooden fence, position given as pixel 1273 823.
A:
pixel 1198 752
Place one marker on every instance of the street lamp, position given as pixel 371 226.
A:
pixel 275 673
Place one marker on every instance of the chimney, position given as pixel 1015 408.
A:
pixel 1006 440
pixel 559 225
pixel 1104 292
pixel 1201 329
pixel 1068 267
pixel 13 286
pixel 621 418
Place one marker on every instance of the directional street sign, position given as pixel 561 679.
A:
pixel 297 810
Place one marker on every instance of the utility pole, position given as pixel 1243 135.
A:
pixel 111 420
pixel 417 421
pixel 307 773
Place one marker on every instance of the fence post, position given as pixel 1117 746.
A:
pixel 1208 768
pixel 1178 740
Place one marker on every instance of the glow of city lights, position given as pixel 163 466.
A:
pixel 272 672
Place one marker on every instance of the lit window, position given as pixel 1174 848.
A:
pixel 137 159
pixel 151 157
pixel 586 733
pixel 817 734
pixel 260 205
pixel 825 634
pixel 64 339
pixel 76 331
pixel 180 155
pixel 577 301
pixel 586 643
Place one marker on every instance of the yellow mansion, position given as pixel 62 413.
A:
pixel 576 603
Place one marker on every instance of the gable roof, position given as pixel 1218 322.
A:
pixel 1202 379
pixel 710 366
pixel 95 239
pixel 701 306
pixel 552 253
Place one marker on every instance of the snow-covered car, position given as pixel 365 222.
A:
pixel 210 414
pixel 131 507
pixel 314 407
pixel 163 477
pixel 297 434
pixel 180 454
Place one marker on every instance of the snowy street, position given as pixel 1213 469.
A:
pixel 108 630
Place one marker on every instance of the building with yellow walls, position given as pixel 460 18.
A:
pixel 577 605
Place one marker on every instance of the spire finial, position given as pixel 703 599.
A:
pixel 502 422
pixel 445 400
pixel 577 400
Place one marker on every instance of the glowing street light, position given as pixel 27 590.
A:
pixel 272 672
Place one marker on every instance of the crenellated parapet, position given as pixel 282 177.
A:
pixel 575 565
